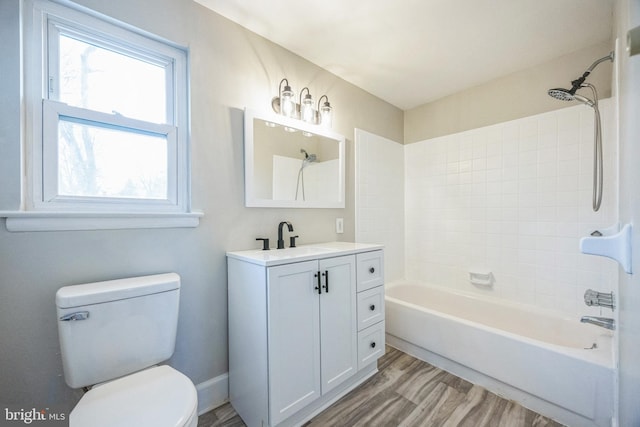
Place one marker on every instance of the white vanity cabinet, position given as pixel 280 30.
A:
pixel 294 335
pixel 311 331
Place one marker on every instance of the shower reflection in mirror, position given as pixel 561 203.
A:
pixel 308 159
pixel 289 163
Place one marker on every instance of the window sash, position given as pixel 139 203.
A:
pixel 57 27
pixel 53 111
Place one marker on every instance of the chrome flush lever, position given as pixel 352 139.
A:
pixel 79 315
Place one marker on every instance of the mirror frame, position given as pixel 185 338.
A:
pixel 250 198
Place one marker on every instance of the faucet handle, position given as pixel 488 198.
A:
pixel 599 299
pixel 591 297
pixel 265 243
pixel 292 241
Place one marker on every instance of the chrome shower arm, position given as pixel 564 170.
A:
pixel 609 57
pixel 577 83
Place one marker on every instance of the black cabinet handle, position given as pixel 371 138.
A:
pixel 318 287
pixel 372 307
pixel 373 344
pixel 326 281
pixel 372 270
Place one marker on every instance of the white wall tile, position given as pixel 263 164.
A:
pixel 519 206
pixel 513 198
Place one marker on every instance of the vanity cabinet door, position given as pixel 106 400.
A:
pixel 338 331
pixel 294 338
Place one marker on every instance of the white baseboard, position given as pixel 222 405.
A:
pixel 213 393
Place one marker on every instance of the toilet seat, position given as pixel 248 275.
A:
pixel 156 397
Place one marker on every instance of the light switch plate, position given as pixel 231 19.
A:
pixel 339 225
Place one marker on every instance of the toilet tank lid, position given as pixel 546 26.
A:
pixel 113 290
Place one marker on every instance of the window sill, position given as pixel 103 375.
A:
pixel 17 221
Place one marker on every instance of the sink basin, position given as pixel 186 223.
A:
pixel 301 253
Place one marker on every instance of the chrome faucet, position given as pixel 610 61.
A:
pixel 600 299
pixel 280 239
pixel 603 322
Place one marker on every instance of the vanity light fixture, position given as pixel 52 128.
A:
pixel 286 105
pixel 325 118
pixel 307 113
pixel 287 102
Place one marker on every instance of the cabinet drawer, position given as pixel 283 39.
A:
pixel 370 270
pixel 370 307
pixel 370 344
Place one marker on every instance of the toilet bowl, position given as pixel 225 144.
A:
pixel 159 396
pixel 112 336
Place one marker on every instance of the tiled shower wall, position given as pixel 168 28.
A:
pixel 514 199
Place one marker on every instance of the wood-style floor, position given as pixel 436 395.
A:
pixel 409 392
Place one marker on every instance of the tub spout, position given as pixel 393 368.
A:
pixel 604 322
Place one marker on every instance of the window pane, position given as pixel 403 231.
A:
pixel 99 79
pixel 103 162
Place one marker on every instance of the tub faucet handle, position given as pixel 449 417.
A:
pixel 599 299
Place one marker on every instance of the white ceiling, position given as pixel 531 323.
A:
pixel 410 52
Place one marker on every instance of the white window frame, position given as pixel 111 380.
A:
pixel 48 197
pixel 43 208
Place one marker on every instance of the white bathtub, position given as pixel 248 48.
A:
pixel 528 356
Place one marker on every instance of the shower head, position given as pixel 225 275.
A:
pixel 561 94
pixel 584 100
pixel 569 95
pixel 308 158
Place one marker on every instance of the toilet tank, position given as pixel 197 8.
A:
pixel 113 328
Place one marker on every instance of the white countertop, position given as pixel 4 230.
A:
pixel 302 253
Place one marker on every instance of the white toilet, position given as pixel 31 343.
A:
pixel 112 334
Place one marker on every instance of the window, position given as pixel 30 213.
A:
pixel 108 112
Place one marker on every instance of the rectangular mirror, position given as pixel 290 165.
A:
pixel 290 163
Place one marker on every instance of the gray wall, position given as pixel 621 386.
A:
pixel 231 68
pixel 511 97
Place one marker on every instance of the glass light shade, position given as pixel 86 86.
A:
pixel 307 112
pixel 325 115
pixel 287 102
